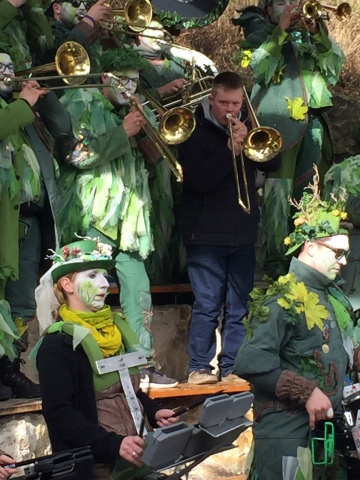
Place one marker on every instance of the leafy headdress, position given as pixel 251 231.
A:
pixel 123 58
pixel 315 217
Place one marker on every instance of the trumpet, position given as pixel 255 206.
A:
pixel 260 145
pixel 175 126
pixel 136 14
pixel 313 10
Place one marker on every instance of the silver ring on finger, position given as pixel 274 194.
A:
pixel 134 454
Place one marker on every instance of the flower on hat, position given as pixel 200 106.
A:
pixel 315 217
pixel 102 251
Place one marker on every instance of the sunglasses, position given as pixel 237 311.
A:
pixel 339 252
pixel 75 3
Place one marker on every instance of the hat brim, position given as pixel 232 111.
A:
pixel 71 267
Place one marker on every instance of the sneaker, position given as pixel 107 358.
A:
pixel 150 378
pixel 200 377
pixel 232 379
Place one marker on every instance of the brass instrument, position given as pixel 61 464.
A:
pixel 243 205
pixel 136 15
pixel 175 126
pixel 261 144
pixel 313 9
pixel 72 64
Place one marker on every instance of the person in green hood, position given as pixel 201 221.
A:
pixel 294 64
pixel 299 342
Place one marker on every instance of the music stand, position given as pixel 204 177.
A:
pixel 220 423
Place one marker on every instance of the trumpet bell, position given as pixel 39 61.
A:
pixel 262 144
pixel 176 125
pixel 138 14
pixel 343 11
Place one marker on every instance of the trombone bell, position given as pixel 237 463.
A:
pixel 176 125
pixel 262 144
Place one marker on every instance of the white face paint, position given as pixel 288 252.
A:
pixel 152 44
pixel 277 8
pixel 6 69
pixel 71 14
pixel 90 289
pixel 325 259
pixel 126 81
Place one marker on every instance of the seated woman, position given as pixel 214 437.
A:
pixel 80 406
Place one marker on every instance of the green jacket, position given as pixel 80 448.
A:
pixel 282 340
pixel 24 31
pixel 27 164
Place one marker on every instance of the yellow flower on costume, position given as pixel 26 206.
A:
pixel 297 108
pixel 300 220
pixel 246 58
pixel 303 301
pixel 287 241
pixel 343 215
pixel 336 212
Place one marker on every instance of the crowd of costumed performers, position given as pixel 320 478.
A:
pixel 133 159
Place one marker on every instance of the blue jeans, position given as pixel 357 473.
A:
pixel 221 277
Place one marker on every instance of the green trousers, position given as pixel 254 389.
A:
pixel 135 297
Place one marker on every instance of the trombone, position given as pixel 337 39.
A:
pixel 313 10
pixel 175 126
pixel 72 63
pixel 260 145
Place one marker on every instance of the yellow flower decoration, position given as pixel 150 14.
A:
pixel 300 220
pixel 287 241
pixel 297 108
pixel 246 58
pixel 336 212
pixel 304 302
pixel 343 215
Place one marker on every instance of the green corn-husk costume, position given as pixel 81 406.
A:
pixel 106 191
pixel 292 71
pixel 24 31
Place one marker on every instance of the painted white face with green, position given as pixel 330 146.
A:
pixel 6 69
pixel 328 259
pixel 126 81
pixel 71 14
pixel 149 43
pixel 91 288
pixel 278 7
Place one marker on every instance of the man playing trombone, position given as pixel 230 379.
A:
pixel 220 226
pixel 106 190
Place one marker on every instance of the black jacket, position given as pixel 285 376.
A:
pixel 69 406
pixel 211 212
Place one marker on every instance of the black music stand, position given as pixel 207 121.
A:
pixel 220 422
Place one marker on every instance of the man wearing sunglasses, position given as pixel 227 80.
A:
pixel 79 21
pixel 299 343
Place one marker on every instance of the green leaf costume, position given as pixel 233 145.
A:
pixel 106 184
pixel 287 66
